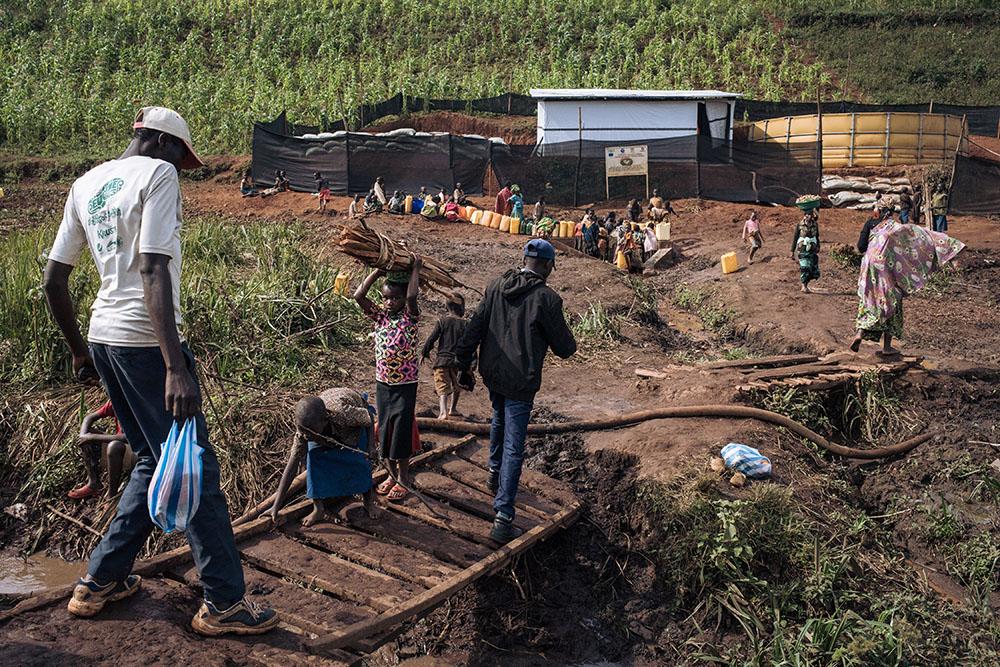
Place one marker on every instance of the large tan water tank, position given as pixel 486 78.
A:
pixel 873 139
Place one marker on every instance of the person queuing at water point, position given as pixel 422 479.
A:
pixel 451 210
pixel 659 207
pixel 396 370
pixel 444 338
pixel 633 210
pixel 397 203
pixel 322 190
pixel 752 235
pixel 459 195
pixel 805 242
pixel 650 243
pixel 540 208
pixel 128 212
pixel 515 203
pixel 372 203
pixel 333 433
pixel 432 208
pixel 379 189
pixel 501 201
pixel 117 452
pixel 899 260
pixel 516 323
pixel 356 209
pixel 939 209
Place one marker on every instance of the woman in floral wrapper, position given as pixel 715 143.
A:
pixel 899 260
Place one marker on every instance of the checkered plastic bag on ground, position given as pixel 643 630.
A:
pixel 746 460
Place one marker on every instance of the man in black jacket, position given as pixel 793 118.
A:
pixel 516 323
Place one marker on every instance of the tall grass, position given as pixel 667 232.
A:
pixel 74 72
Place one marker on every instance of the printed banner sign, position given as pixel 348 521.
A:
pixel 625 161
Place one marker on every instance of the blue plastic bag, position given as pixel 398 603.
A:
pixel 746 460
pixel 175 489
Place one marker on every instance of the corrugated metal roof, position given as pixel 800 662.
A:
pixel 622 94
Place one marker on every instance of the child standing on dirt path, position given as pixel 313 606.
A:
pixel 396 370
pixel 323 190
pixel 753 235
pixel 120 457
pixel 445 336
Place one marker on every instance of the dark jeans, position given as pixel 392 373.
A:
pixel 508 430
pixel 904 215
pixel 134 378
pixel 940 223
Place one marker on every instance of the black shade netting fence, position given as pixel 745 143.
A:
pixel 975 188
pixel 351 162
pixel 573 173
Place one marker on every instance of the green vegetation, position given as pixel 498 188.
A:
pixel 74 72
pixel 261 316
pixel 902 51
pixel 595 325
pixel 802 583
pixel 716 318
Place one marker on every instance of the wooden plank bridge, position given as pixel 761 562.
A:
pixel 346 587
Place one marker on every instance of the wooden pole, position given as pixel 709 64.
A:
pixel 579 155
pixel 819 136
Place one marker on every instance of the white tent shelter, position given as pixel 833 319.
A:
pixel 609 115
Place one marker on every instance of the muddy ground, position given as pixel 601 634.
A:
pixel 597 591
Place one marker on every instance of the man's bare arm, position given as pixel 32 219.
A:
pixel 56 285
pixel 182 397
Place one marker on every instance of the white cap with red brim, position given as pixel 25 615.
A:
pixel 171 122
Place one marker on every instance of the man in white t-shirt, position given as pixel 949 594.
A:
pixel 127 212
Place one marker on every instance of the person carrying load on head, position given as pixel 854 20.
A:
pixel 127 211
pixel 334 433
pixel 806 243
pixel 519 319
pixel 397 368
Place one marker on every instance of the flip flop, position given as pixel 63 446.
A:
pixel 397 494
pixel 82 492
pixel 385 487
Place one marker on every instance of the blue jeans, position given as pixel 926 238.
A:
pixel 508 431
pixel 940 223
pixel 904 215
pixel 134 378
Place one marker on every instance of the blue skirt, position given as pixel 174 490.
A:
pixel 333 472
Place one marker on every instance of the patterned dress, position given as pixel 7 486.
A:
pixel 396 347
pixel 899 261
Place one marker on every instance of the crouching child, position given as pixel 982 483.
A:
pixel 333 433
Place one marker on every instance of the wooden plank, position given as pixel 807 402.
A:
pixel 428 599
pixel 450 519
pixel 792 371
pixel 545 486
pixel 298 605
pixel 762 362
pixel 474 476
pixel 349 581
pixel 409 532
pixel 653 375
pixel 466 499
pixel 272 656
pixel 401 562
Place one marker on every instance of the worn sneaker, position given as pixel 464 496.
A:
pixel 243 618
pixel 89 597
pixel 504 530
pixel 493 482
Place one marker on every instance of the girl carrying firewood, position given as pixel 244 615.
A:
pixel 397 361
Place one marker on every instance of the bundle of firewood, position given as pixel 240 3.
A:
pixel 379 251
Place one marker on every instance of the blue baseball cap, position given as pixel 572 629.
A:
pixel 541 249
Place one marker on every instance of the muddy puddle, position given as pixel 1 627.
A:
pixel 20 578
